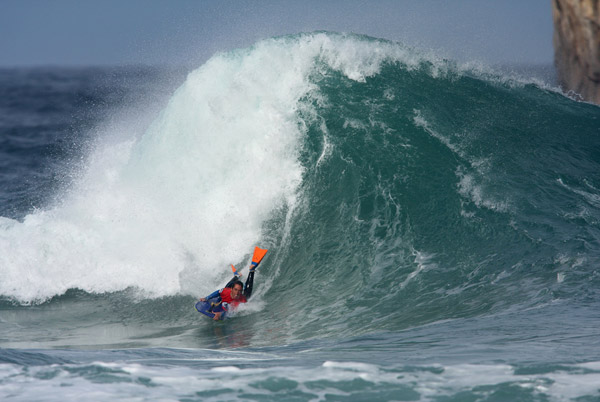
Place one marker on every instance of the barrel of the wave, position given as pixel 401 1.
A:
pixel 221 303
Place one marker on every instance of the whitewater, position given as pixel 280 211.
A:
pixel 432 229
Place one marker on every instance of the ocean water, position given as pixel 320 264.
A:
pixel 433 229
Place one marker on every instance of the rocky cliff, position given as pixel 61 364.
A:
pixel 577 46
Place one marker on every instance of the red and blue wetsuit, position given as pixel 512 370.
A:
pixel 220 301
pixel 222 298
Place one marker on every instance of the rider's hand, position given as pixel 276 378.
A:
pixel 217 316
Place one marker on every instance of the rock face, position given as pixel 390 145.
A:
pixel 577 46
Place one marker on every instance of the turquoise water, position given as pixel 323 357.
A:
pixel 433 230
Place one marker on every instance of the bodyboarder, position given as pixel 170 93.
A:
pixel 221 302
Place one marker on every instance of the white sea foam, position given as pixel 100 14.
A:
pixel 469 188
pixel 132 381
pixel 423 262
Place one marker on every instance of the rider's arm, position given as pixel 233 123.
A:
pixel 214 294
pixel 248 286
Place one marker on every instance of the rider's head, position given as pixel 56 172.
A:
pixel 236 289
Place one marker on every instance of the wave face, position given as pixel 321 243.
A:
pixel 432 191
pixel 393 189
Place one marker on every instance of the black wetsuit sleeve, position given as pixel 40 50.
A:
pixel 248 285
pixel 230 283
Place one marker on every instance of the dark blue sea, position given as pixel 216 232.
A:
pixel 433 229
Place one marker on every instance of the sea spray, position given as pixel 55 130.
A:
pixel 191 193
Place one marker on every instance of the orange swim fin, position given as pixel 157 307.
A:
pixel 259 254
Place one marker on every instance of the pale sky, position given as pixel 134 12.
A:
pixel 187 32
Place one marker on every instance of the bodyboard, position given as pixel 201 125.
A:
pixel 204 308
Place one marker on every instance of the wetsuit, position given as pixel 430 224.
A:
pixel 221 300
